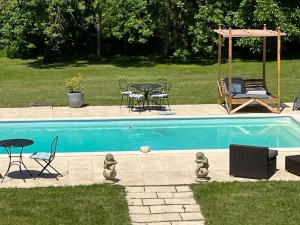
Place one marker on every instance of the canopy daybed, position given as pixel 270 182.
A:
pixel 243 92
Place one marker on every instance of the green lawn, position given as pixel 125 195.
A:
pixel 89 205
pixel 24 81
pixel 248 203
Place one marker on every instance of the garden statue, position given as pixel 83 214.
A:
pixel 201 170
pixel 109 171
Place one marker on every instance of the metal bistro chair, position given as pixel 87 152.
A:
pixel 135 97
pixel 162 93
pixel 123 90
pixel 46 158
pixel 162 82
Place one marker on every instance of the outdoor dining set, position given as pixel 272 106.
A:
pixel 144 95
pixel 14 149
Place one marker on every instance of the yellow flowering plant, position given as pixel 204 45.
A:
pixel 73 84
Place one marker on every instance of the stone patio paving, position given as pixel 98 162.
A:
pixel 155 168
pixel 133 169
pixel 142 174
pixel 164 205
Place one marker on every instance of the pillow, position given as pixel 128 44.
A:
pixel 236 88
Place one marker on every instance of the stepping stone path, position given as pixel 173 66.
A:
pixel 163 205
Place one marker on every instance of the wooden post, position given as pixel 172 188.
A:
pixel 219 54
pixel 278 69
pixel 219 62
pixel 230 70
pixel 264 55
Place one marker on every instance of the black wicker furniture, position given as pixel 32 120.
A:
pixel 252 161
pixel 292 164
pixel 296 105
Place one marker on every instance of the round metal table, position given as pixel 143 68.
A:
pixel 15 143
pixel 147 88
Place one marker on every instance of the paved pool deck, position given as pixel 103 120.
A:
pixel 133 169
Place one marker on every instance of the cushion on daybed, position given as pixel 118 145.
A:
pixel 238 89
pixel 237 86
pixel 241 96
pixel 255 90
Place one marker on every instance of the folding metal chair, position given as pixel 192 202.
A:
pixel 44 159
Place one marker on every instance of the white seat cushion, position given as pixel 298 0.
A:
pixel 166 113
pixel 161 95
pixel 40 155
pixel 125 92
pixel 136 95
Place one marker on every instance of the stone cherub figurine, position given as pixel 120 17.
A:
pixel 109 171
pixel 201 170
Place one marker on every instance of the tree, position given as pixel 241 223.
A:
pixel 64 27
pixel 180 28
pixel 256 13
pixel 100 20
pixel 208 17
pixel 129 20
pixel 98 6
pixel 21 28
pixel 171 21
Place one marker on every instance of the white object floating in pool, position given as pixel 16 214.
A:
pixel 166 113
pixel 145 149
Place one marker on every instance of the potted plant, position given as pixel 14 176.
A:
pixel 73 85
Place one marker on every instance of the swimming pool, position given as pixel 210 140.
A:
pixel 159 134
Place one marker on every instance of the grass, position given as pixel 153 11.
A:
pixel 25 81
pixel 250 203
pixel 89 205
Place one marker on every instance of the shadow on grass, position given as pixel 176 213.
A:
pixel 118 61
pixel 131 61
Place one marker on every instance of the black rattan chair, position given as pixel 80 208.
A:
pixel 292 164
pixel 296 104
pixel 252 161
pixel 44 159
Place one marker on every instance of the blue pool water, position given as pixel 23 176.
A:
pixel 159 134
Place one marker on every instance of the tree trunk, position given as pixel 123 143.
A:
pixel 174 34
pixel 45 45
pixel 99 32
pixel 166 44
pixel 46 51
pixel 125 46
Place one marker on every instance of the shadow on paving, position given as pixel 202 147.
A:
pixel 257 108
pixel 25 175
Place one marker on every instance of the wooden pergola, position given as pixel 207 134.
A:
pixel 269 101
